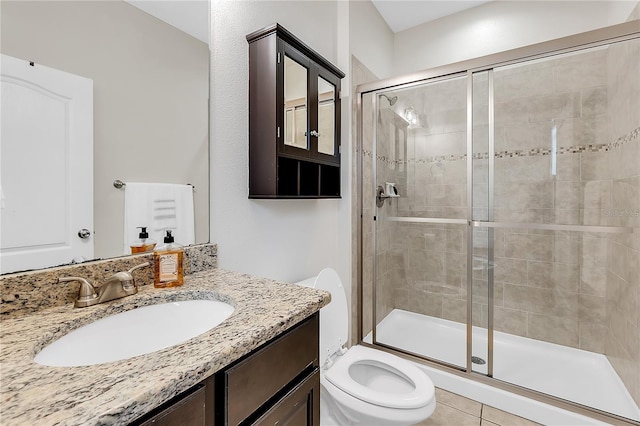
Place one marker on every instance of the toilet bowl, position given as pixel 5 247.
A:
pixel 362 385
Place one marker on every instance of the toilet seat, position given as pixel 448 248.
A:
pixel 340 376
pixel 362 385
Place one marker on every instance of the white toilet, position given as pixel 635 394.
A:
pixel 361 385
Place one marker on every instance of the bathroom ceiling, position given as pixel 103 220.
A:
pixel 190 16
pixel 404 14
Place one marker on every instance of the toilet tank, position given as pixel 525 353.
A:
pixel 334 318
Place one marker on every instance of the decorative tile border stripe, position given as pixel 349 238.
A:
pixel 625 139
pixel 577 149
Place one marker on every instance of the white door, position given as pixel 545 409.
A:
pixel 46 156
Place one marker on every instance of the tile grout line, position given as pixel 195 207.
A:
pixel 463 411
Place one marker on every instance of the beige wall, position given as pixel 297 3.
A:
pixel 371 39
pixel 150 97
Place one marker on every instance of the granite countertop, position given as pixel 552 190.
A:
pixel 119 392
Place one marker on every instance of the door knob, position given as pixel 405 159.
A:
pixel 84 233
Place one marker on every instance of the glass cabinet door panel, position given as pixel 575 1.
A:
pixel 326 117
pixel 288 126
pixel 295 104
pixel 300 128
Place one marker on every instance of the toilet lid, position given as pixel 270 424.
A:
pixel 339 375
pixel 334 317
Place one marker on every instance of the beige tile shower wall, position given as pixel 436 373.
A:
pixel 390 153
pixel 548 285
pixel 429 270
pixel 429 260
pixel 361 74
pixel 390 167
pixel 576 289
pixel 622 189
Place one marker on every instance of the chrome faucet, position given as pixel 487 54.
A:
pixel 120 284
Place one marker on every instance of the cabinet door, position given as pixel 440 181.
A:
pixel 299 407
pixel 310 109
pixel 325 143
pixel 296 102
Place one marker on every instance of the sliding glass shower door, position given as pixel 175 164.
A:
pixel 420 227
pixel 564 160
pixel 501 221
pixel 423 273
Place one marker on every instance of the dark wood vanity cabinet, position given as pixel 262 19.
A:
pixel 278 383
pixel 294 118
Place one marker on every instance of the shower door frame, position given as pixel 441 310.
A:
pixel 604 36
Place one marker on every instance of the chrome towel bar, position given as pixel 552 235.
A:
pixel 120 184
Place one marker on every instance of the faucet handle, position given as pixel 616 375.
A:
pixel 86 295
pixel 127 279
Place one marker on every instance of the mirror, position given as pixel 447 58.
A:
pixel 150 97
pixel 326 117
pixel 295 104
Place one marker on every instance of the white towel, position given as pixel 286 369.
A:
pixel 158 206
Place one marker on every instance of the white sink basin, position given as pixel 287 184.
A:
pixel 135 332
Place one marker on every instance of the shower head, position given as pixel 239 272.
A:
pixel 391 100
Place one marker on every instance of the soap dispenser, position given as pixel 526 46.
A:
pixel 143 244
pixel 168 265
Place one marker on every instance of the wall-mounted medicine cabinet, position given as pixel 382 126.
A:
pixel 294 118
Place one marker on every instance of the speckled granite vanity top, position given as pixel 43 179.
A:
pixel 119 392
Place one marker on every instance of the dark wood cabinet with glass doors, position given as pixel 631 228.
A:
pixel 294 118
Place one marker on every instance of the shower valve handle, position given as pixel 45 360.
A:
pixel 381 196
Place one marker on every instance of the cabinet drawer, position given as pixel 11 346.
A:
pixel 188 411
pixel 300 406
pixel 262 375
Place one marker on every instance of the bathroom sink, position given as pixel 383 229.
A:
pixel 136 332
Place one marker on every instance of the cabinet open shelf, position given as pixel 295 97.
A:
pixel 305 179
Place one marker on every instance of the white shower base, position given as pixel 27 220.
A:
pixel 572 374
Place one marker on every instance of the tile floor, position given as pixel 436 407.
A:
pixel 456 410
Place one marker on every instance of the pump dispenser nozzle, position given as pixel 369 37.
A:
pixel 143 244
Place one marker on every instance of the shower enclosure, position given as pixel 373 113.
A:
pixel 511 251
